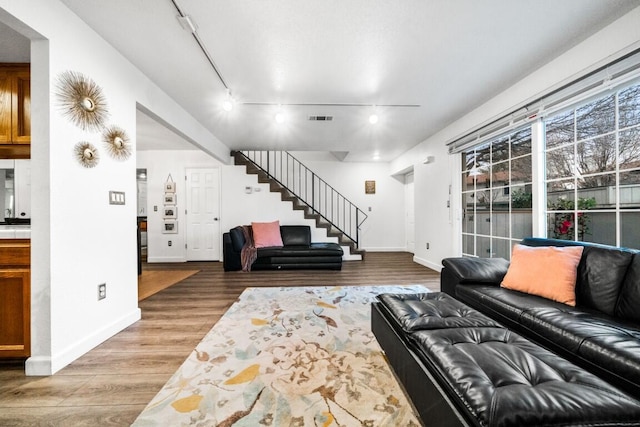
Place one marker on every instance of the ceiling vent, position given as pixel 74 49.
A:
pixel 320 118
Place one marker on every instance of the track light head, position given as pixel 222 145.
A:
pixel 188 23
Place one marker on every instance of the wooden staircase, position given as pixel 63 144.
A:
pixel 298 204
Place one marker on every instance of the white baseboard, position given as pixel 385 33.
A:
pixel 166 259
pixel 402 249
pixel 37 366
pixel 348 256
pixel 44 365
pixel 428 264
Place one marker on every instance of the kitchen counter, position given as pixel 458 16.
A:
pixel 15 231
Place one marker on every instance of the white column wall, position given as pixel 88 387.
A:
pixel 78 239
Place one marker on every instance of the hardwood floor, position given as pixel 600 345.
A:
pixel 112 383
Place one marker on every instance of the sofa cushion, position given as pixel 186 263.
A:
pixel 313 250
pixel 600 272
pixel 600 276
pixel 433 310
pixel 237 238
pixel 503 304
pixel 617 353
pixel 506 380
pixel 266 234
pixel 568 327
pixel 549 272
pixel 296 235
pixel 477 270
pixel 628 306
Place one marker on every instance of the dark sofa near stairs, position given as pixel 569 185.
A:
pixel 297 251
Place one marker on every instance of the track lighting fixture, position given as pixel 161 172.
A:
pixel 188 23
pixel 227 104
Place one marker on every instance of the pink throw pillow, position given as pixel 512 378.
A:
pixel 547 271
pixel 266 234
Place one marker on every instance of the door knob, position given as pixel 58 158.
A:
pixel 215 219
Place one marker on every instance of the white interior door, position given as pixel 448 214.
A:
pixel 410 213
pixel 202 214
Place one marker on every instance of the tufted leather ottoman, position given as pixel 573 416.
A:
pixel 461 368
pixel 432 310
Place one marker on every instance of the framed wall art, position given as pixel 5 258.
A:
pixel 169 187
pixel 369 187
pixel 170 227
pixel 170 199
pixel 170 212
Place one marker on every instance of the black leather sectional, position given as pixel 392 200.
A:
pixel 494 356
pixel 297 252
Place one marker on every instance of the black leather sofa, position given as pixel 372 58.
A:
pixel 601 333
pixel 297 252
pixel 493 356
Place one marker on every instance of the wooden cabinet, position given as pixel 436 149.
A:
pixel 15 298
pixel 15 111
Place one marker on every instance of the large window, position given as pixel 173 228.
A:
pixel 593 171
pixel 496 195
pixel 591 179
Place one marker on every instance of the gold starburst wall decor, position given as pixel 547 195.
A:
pixel 117 142
pixel 86 154
pixel 82 100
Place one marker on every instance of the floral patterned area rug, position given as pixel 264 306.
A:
pixel 291 357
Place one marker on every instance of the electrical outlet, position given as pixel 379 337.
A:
pixel 170 243
pixel 102 291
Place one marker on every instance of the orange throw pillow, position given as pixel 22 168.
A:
pixel 266 234
pixel 547 271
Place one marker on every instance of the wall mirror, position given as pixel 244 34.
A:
pixel 7 194
pixel 141 184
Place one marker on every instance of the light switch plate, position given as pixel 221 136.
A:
pixel 116 197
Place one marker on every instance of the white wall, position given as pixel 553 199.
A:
pixel 237 207
pixel 384 229
pixel 242 208
pixel 159 164
pixel 78 239
pixel 439 225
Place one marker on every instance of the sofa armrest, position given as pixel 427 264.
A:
pixel 471 270
pixel 231 257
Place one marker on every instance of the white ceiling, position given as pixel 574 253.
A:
pixel 447 56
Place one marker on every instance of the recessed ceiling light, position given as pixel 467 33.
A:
pixel 373 119
pixel 280 117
